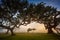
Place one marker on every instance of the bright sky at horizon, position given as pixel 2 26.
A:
pixel 39 28
pixel 23 29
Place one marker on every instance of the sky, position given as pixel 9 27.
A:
pixel 23 29
pixel 39 27
pixel 54 3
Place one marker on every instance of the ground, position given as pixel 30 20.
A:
pixel 30 36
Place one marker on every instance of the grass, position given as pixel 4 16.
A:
pixel 30 36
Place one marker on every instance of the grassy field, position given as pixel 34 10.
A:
pixel 30 36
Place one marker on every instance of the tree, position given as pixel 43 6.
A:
pixel 30 29
pixel 25 14
pixel 44 14
pixel 8 10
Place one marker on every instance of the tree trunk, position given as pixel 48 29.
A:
pixel 50 31
pixel 7 31
pixel 12 33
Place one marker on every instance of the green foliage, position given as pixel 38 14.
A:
pixel 27 13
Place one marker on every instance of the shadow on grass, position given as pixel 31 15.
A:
pixel 57 36
pixel 30 37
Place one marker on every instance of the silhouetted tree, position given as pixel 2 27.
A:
pixel 30 29
pixel 44 14
pixel 14 13
pixel 8 10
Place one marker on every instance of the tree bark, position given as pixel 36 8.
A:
pixel 7 31
pixel 12 33
pixel 50 31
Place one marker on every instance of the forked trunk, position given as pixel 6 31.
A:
pixel 7 31
pixel 12 33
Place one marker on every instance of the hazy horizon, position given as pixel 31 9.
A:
pixel 39 28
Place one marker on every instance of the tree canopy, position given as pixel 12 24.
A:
pixel 14 13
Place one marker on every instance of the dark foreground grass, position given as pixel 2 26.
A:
pixel 30 36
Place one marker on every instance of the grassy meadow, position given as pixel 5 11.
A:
pixel 30 36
